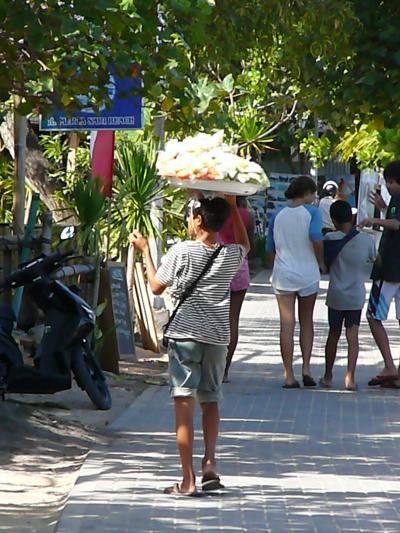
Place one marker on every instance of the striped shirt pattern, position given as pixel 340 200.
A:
pixel 204 316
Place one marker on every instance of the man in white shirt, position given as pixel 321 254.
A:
pixel 330 189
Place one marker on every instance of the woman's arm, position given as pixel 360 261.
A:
pixel 319 254
pixel 250 232
pixel 140 243
pixel 239 229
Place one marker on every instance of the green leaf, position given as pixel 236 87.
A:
pixel 228 83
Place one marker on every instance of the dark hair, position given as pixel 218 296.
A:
pixel 213 211
pixel 241 201
pixel 392 171
pixel 340 212
pixel 331 190
pixel 300 186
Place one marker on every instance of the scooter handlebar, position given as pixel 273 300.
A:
pixel 42 265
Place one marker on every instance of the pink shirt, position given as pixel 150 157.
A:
pixel 241 281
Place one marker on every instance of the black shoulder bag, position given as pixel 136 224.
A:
pixel 332 248
pixel 187 292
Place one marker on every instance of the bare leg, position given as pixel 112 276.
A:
pixel 352 343
pixel 210 420
pixel 287 319
pixel 330 354
pixel 237 298
pixel 382 341
pixel 306 310
pixel 184 409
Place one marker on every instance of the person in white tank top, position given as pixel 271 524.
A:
pixel 295 241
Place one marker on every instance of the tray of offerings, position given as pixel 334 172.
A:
pixel 233 188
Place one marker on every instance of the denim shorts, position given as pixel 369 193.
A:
pixel 196 369
pixel 303 293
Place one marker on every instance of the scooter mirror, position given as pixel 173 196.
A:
pixel 67 233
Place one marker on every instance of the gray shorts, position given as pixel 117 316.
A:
pixel 196 369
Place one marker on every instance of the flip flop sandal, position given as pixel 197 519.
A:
pixel 324 385
pixel 379 380
pixel 308 381
pixel 391 384
pixel 176 491
pixel 211 482
pixel 294 385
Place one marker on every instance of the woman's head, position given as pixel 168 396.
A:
pixel 209 214
pixel 302 187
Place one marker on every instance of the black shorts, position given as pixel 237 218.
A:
pixel 350 318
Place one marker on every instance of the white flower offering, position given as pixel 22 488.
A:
pixel 206 157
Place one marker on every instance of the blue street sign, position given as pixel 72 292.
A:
pixel 125 112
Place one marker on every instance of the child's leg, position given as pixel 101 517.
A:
pixel 237 298
pixel 330 354
pixel 287 320
pixel 352 343
pixel 210 420
pixel 184 409
pixel 306 309
pixel 209 394
pixel 352 324
pixel 335 320
pixel 185 374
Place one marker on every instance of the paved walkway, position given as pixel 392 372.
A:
pixel 292 460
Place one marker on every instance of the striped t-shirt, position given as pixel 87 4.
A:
pixel 204 316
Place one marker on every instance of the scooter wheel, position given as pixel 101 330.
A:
pixel 90 378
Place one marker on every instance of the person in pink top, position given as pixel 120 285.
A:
pixel 241 282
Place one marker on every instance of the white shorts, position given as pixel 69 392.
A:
pixel 381 295
pixel 307 291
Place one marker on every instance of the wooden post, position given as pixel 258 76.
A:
pixel 26 251
pixel 73 148
pixel 130 279
pixel 156 209
pixel 20 131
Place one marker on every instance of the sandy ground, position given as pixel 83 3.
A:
pixel 44 440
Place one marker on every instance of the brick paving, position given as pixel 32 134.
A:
pixel 309 460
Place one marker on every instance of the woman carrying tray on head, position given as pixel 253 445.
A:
pixel 198 335
pixel 241 281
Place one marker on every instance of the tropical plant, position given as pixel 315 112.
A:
pixel 174 224
pixel 6 190
pixel 318 149
pixel 370 146
pixel 137 189
pixel 56 150
pixel 251 134
pixel 89 204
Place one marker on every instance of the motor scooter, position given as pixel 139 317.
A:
pixel 64 347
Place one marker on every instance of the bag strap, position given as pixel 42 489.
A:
pixel 352 233
pixel 189 290
pixel 342 242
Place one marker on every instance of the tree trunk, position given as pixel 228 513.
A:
pixel 37 170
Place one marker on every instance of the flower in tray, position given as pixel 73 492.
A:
pixel 207 157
